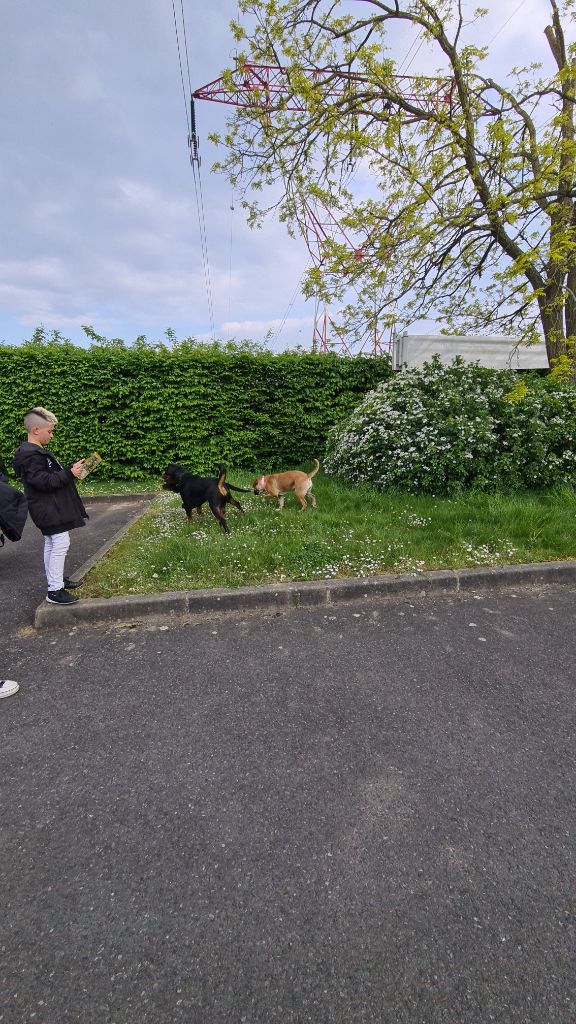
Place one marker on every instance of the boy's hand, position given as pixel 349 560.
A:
pixel 77 468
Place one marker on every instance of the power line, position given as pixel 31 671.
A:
pixel 414 55
pixel 230 255
pixel 180 63
pixel 292 301
pixel 204 243
pixel 186 45
pixel 489 43
pixel 502 27
pixel 194 158
pixel 408 54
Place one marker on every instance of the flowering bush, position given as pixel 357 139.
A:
pixel 440 429
pixel 539 435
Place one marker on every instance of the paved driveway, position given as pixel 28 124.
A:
pixel 22 580
pixel 363 816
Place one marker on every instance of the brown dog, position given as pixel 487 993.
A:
pixel 276 485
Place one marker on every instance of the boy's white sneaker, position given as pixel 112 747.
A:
pixel 8 687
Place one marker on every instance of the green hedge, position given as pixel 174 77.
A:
pixel 142 410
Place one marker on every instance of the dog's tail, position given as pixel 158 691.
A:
pixel 221 483
pixel 315 470
pixel 230 487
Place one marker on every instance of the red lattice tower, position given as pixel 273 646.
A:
pixel 319 226
pixel 268 86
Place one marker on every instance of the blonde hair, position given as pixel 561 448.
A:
pixel 38 417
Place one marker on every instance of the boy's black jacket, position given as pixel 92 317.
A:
pixel 53 501
pixel 13 510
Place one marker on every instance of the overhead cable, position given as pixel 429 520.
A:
pixel 180 63
pixel 203 243
pixel 277 334
pixel 502 27
pixel 194 158
pixel 409 51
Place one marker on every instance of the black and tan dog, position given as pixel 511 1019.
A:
pixel 196 490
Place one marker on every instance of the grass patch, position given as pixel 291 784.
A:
pixel 94 484
pixel 354 532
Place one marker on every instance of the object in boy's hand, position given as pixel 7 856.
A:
pixel 88 464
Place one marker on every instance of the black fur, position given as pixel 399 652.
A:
pixel 195 490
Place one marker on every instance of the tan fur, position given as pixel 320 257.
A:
pixel 276 485
pixel 220 484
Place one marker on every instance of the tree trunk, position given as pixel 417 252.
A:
pixel 552 318
pixel 570 314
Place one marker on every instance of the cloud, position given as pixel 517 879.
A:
pixel 244 327
pixel 98 204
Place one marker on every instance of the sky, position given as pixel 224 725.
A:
pixel 99 223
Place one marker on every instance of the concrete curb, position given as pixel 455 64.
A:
pixel 189 604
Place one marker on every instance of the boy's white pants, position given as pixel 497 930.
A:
pixel 55 551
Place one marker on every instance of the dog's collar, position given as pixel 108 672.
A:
pixel 261 481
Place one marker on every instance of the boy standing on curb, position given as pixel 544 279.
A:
pixel 53 501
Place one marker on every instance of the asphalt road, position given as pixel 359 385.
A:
pixel 363 816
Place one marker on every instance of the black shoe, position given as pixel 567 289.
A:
pixel 72 584
pixel 60 597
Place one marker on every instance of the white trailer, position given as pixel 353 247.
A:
pixel 501 353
